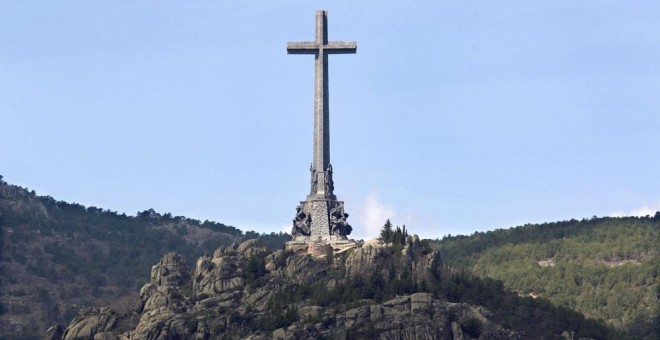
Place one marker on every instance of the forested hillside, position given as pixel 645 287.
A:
pixel 56 257
pixel 606 268
pixel 372 290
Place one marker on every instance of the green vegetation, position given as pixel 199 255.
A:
pixel 606 268
pixel 534 318
pixel 396 236
pixel 56 257
pixel 279 312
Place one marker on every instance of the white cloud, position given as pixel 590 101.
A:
pixel 641 211
pixel 617 214
pixel 646 210
pixel 371 216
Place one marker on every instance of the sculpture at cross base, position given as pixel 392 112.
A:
pixel 338 224
pixel 321 215
pixel 329 183
pixel 314 180
pixel 301 223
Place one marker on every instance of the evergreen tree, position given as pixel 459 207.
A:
pixel 397 237
pixel 386 232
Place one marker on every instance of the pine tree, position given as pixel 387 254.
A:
pixel 397 237
pixel 386 232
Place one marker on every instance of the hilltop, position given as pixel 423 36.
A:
pixel 56 257
pixel 375 290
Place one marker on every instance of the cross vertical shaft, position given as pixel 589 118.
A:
pixel 321 97
pixel 321 48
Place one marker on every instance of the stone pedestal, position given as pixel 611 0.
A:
pixel 320 249
pixel 320 225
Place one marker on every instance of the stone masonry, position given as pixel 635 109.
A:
pixel 321 216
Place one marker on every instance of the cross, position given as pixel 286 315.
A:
pixel 321 47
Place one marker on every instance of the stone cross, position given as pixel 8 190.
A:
pixel 321 216
pixel 321 48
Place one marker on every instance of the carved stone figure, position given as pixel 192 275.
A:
pixel 313 179
pixel 329 183
pixel 338 224
pixel 301 223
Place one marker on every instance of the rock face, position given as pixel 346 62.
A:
pixel 243 292
pixel 54 333
pixel 170 271
pixel 415 316
pixel 368 259
pixel 376 257
pixel 90 322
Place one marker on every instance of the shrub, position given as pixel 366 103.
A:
pixel 472 327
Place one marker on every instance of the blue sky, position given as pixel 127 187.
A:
pixel 453 116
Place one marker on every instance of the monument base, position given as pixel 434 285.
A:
pixel 320 218
pixel 320 248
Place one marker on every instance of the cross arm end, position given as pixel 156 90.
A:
pixel 301 47
pixel 341 47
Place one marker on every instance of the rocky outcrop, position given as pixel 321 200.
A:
pixel 242 292
pixel 275 261
pixel 162 296
pixel 371 258
pixel 170 280
pixel 90 322
pixel 409 317
pixel 251 248
pixel 54 333
pixel 218 275
pixel 413 260
pixel 161 323
pixel 170 271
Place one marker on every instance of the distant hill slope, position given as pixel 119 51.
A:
pixel 606 268
pixel 56 257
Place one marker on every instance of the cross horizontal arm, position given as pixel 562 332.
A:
pixel 341 47
pixel 333 47
pixel 301 48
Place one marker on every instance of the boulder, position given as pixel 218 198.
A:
pixel 54 333
pixel 89 322
pixel 218 275
pixel 106 336
pixel 456 331
pixel 298 265
pixel 164 296
pixel 273 260
pixel 223 300
pixel 252 247
pixel 279 334
pixel 161 323
pixel 421 302
pixel 372 258
pixel 170 271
